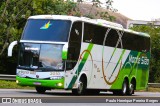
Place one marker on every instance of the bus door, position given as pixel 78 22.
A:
pixel 74 48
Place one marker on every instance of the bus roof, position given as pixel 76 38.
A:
pixel 100 22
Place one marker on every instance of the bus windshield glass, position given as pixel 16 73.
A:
pixel 47 30
pixel 44 57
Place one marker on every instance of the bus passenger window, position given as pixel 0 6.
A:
pixel 88 33
pixel 112 38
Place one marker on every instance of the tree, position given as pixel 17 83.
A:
pixel 14 14
pixel 154 32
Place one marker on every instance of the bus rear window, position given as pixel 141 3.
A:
pixel 47 30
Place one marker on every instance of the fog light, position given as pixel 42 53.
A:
pixel 17 81
pixel 59 84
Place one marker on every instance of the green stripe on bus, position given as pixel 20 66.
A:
pixel 118 62
pixel 80 67
pixel 111 56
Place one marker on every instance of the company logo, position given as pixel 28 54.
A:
pixel 6 100
pixel 20 100
pixel 46 26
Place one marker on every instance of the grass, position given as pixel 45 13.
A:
pixel 152 89
pixel 12 85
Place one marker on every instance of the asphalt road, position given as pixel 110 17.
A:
pixel 19 96
pixel 65 93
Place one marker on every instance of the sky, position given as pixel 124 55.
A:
pixel 147 10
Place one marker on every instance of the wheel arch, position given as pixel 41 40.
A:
pixel 126 78
pixel 83 76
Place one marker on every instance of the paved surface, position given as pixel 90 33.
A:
pixel 64 93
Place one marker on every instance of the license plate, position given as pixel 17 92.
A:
pixel 37 83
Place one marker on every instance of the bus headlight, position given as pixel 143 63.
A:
pixel 59 84
pixel 56 77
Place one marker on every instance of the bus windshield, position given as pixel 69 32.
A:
pixel 44 57
pixel 46 30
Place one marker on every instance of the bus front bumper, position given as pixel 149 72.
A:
pixel 55 84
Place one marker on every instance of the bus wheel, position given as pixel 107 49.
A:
pixel 40 90
pixel 131 88
pixel 81 90
pixel 124 88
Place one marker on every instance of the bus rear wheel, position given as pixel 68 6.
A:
pixel 40 90
pixel 124 90
pixel 131 88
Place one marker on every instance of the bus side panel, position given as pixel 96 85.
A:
pixel 143 71
pixel 102 67
pixel 107 68
pixel 136 66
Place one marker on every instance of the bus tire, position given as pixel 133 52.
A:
pixel 81 90
pixel 124 88
pixel 40 90
pixel 131 88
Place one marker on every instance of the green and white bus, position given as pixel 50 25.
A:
pixel 81 54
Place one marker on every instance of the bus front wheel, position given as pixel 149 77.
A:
pixel 81 90
pixel 40 90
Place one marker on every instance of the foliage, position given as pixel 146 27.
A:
pixel 14 14
pixel 12 85
pixel 154 32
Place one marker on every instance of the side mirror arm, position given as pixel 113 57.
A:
pixel 10 48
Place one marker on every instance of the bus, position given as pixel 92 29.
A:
pixel 81 54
